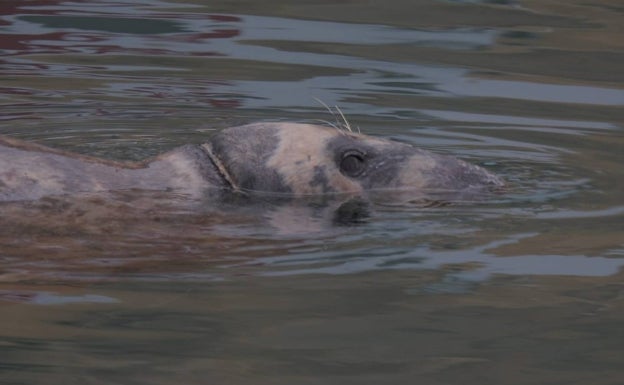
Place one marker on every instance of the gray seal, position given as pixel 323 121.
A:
pixel 282 159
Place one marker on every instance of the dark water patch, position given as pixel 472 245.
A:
pixel 104 24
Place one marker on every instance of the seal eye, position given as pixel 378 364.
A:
pixel 352 163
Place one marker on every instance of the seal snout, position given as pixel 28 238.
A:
pixel 453 179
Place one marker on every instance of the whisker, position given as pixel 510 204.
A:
pixel 341 124
pixel 333 125
pixel 346 122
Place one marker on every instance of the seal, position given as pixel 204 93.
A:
pixel 281 159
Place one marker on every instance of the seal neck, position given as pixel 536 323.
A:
pixel 220 167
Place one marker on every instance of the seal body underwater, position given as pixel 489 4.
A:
pixel 284 159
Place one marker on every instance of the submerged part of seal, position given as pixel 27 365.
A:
pixel 285 159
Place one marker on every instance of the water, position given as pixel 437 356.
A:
pixel 133 288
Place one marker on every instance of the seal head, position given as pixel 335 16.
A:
pixel 305 160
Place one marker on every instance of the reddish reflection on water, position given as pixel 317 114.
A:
pixel 40 27
pixel 55 48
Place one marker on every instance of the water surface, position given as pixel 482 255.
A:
pixel 135 288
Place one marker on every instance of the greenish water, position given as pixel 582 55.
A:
pixel 525 288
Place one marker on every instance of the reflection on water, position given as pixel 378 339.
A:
pixel 485 264
pixel 136 287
